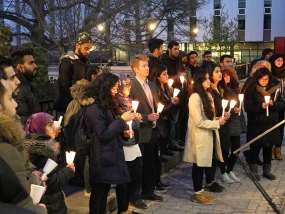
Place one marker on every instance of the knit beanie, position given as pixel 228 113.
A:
pixel 266 51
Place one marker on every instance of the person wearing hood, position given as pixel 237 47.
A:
pixel 24 62
pixel 41 145
pixel 278 70
pixel 11 136
pixel 72 67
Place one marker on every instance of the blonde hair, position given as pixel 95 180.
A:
pixel 260 64
pixel 134 63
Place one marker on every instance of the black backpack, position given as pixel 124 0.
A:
pixel 76 133
pixel 56 96
pixel 56 93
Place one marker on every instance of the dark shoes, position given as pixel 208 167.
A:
pixel 158 189
pixel 214 187
pixel 176 148
pixel 138 203
pixel 168 153
pixel 152 197
pixel 165 186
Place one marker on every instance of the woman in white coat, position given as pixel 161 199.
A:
pixel 202 138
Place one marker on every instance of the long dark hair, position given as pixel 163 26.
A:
pixel 221 85
pixel 156 72
pixel 199 78
pixel 100 90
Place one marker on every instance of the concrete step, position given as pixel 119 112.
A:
pixel 78 203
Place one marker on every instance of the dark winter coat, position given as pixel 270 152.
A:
pixel 258 122
pixel 236 122
pixel 11 136
pixel 26 99
pixel 165 99
pixel 153 61
pixel 71 69
pixel 41 147
pixel 225 129
pixel 107 161
pixel 173 65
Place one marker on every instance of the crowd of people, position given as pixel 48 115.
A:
pixel 119 144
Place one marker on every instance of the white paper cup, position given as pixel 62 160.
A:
pixel 70 157
pixel 50 165
pixel 57 123
pixel 36 193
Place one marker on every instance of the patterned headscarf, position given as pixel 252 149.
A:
pixel 36 123
pixel 123 99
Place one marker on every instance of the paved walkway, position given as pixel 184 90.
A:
pixel 237 198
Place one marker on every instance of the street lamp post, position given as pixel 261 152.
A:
pixel 195 32
pixel 151 27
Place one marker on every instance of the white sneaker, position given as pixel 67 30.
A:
pixel 225 178
pixel 232 176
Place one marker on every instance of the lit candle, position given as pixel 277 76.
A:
pixel 159 107
pixel 135 105
pixel 170 82
pixel 130 127
pixel 224 105
pixel 182 78
pixel 232 105
pixel 175 92
pixel 267 100
pixel 69 157
pixel 240 98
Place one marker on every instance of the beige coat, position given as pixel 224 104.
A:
pixel 199 138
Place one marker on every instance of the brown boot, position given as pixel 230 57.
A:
pixel 277 152
pixel 200 198
pixel 273 154
pixel 211 198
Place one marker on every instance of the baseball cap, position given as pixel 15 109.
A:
pixel 84 38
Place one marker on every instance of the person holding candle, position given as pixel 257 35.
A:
pixel 160 78
pixel 132 152
pixel 220 91
pixel 11 137
pixel 106 123
pixel 202 142
pixel 278 70
pixel 256 65
pixel 236 122
pixel 41 145
pixel 263 84
pixel 145 92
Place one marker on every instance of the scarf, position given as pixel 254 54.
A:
pixel 36 123
pixel 278 72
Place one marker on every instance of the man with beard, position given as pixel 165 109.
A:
pixel 193 62
pixel 6 66
pixel 72 68
pixel 23 61
pixel 207 59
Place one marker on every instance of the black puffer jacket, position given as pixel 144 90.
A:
pixel 71 69
pixel 40 148
pixel 26 99
pixel 258 122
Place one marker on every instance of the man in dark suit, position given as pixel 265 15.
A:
pixel 145 92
